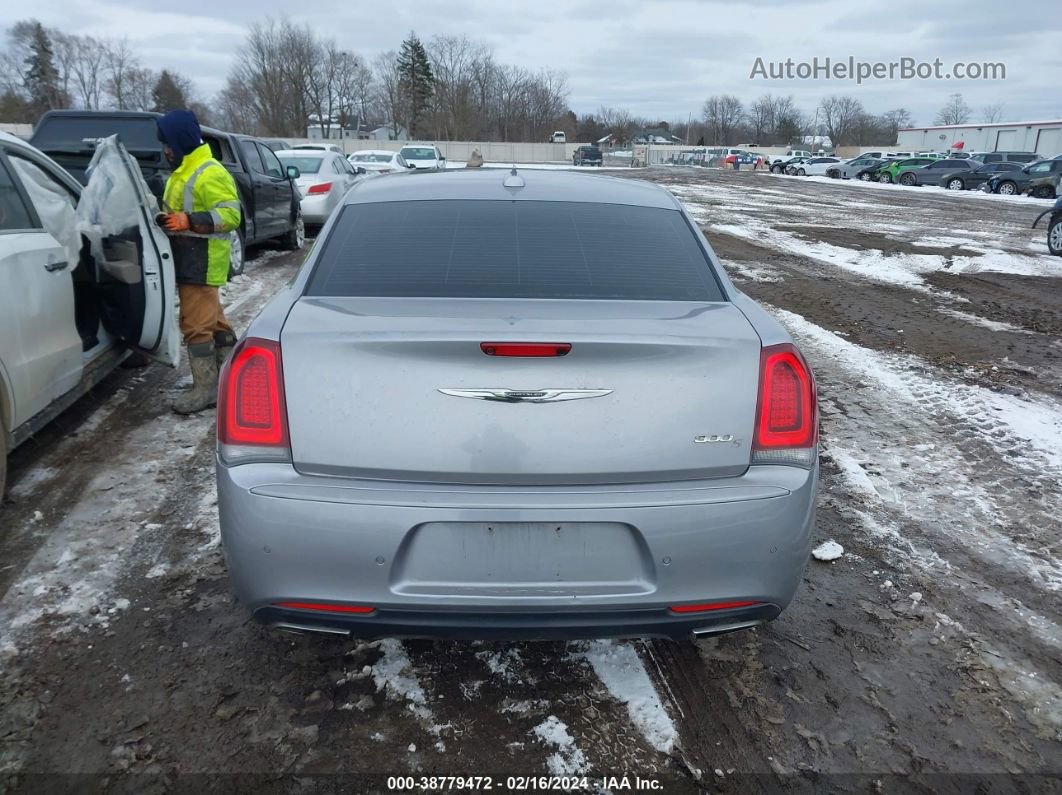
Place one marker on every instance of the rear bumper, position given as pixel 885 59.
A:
pixel 317 208
pixel 327 541
pixel 524 625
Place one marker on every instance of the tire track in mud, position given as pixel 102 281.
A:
pixel 937 481
pixel 981 632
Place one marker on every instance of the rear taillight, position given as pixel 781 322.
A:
pixel 252 415
pixel 704 608
pixel 320 187
pixel 525 348
pixel 325 608
pixel 787 417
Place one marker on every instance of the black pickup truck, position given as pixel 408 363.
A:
pixel 587 156
pixel 269 198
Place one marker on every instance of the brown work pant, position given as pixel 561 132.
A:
pixel 201 313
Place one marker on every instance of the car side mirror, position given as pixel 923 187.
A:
pixel 293 172
pixel 360 169
pixel 412 166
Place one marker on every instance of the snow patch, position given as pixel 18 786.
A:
pixel 568 760
pixel 393 673
pixel 827 551
pixel 620 669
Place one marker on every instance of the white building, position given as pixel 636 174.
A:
pixel 1042 137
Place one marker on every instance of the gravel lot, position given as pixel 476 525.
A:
pixel 926 658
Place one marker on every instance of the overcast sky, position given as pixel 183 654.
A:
pixel 658 58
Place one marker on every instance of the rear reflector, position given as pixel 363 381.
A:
pixel 786 411
pixel 251 410
pixel 525 348
pixel 320 187
pixel 711 606
pixel 326 608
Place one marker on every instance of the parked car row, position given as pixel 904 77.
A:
pixel 1007 173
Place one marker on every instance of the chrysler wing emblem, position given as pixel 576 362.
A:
pixel 527 395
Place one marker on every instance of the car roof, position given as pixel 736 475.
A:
pixel 487 184
pixel 373 152
pixel 127 114
pixel 7 137
pixel 306 152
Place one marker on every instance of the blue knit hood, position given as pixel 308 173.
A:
pixel 179 129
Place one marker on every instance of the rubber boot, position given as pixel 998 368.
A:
pixel 224 342
pixel 204 391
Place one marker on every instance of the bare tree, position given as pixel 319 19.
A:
pixel 271 74
pixel 87 60
pixel 119 62
pixel 890 122
pixel 138 85
pixel 456 63
pixel 956 111
pixel 841 117
pixel 388 87
pixel 722 116
pixel 618 121
pixel 992 113
pixel 762 117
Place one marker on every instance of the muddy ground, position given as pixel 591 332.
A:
pixel 925 659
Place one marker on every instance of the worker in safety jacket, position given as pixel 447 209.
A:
pixel 201 208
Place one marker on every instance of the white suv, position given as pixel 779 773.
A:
pixel 85 276
pixel 423 157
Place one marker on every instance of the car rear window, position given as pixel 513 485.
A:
pixel 513 249
pixel 418 153
pixel 69 133
pixel 305 165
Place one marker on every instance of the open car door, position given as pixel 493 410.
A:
pixel 116 215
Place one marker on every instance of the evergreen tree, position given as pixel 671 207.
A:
pixel 42 78
pixel 416 83
pixel 168 94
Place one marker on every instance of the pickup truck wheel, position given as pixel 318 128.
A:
pixel 1054 239
pixel 237 255
pixel 1007 188
pixel 955 184
pixel 296 237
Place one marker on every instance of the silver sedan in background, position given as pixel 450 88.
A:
pixel 515 406
pixel 324 179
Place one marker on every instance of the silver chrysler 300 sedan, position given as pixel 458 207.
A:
pixel 515 405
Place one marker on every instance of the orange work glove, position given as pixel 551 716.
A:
pixel 176 222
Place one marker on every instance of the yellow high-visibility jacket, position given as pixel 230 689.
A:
pixel 204 189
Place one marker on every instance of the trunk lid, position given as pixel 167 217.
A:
pixel 363 379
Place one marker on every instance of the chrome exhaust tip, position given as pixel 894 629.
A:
pixel 305 629
pixel 722 629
